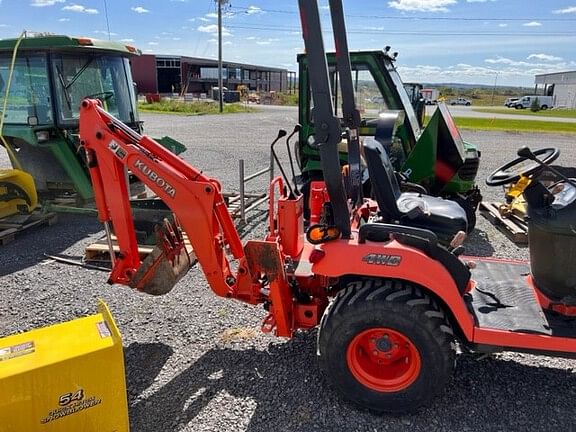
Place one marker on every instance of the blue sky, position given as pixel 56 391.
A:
pixel 467 41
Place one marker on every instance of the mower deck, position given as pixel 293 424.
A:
pixel 503 299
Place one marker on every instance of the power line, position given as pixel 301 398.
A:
pixel 406 33
pixel 419 18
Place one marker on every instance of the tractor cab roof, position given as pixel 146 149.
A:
pixel 43 42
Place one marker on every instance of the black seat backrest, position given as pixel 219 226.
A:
pixel 383 178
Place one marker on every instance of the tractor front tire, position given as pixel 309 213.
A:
pixel 385 345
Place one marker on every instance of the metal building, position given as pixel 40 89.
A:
pixel 179 74
pixel 561 85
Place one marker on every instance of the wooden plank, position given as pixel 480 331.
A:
pixel 12 225
pixel 7 235
pixel 99 251
pixel 513 227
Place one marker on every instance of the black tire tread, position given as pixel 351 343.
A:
pixel 366 294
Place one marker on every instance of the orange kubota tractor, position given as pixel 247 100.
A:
pixel 391 301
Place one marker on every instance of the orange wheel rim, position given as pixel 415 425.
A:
pixel 383 359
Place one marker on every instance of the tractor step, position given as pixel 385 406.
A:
pixel 11 226
pixel 514 227
pixel 503 299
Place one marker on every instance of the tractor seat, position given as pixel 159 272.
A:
pixel 443 217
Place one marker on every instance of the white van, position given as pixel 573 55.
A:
pixel 545 102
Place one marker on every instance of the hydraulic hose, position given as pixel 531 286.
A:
pixel 7 145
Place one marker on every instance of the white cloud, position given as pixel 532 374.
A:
pixel 64 20
pixel 422 5
pixel 502 25
pixel 509 71
pixel 212 15
pixel 127 40
pixel 479 1
pixel 213 29
pixel 532 24
pixel 80 9
pixel 544 57
pixel 251 38
pixel 254 10
pixel 568 10
pixel 42 3
pixel 153 43
pixel 140 10
pixel 267 41
pixel 215 41
pixel 104 32
pixel 203 19
pixel 551 63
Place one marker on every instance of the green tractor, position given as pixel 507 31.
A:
pixel 43 80
pixel 434 157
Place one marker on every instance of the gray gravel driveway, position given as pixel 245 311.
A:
pixel 196 362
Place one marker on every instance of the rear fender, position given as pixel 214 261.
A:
pixel 392 260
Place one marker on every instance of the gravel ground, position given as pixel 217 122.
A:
pixel 196 362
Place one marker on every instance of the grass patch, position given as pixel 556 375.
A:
pixel 512 125
pixel 290 99
pixel 563 113
pixel 193 108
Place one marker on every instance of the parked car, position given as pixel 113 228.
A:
pixel 544 102
pixel 460 101
pixel 510 102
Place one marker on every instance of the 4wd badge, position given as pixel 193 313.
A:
pixel 382 259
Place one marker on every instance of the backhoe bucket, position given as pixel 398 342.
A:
pixel 168 262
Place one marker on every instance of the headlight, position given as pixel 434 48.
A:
pixel 43 136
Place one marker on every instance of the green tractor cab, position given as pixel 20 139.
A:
pixel 434 156
pixel 51 75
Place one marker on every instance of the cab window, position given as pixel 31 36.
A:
pixel 29 100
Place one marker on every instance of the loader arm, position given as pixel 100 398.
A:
pixel 327 125
pixel 111 149
pixel 350 113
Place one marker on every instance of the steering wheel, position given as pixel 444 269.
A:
pixel 511 172
pixel 105 95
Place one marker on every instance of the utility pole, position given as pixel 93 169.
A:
pixel 494 88
pixel 220 83
pixel 107 22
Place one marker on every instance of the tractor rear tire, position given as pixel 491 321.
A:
pixel 385 345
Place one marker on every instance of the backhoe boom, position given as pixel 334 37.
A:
pixel 111 149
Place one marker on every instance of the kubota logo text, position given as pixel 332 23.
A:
pixel 160 182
